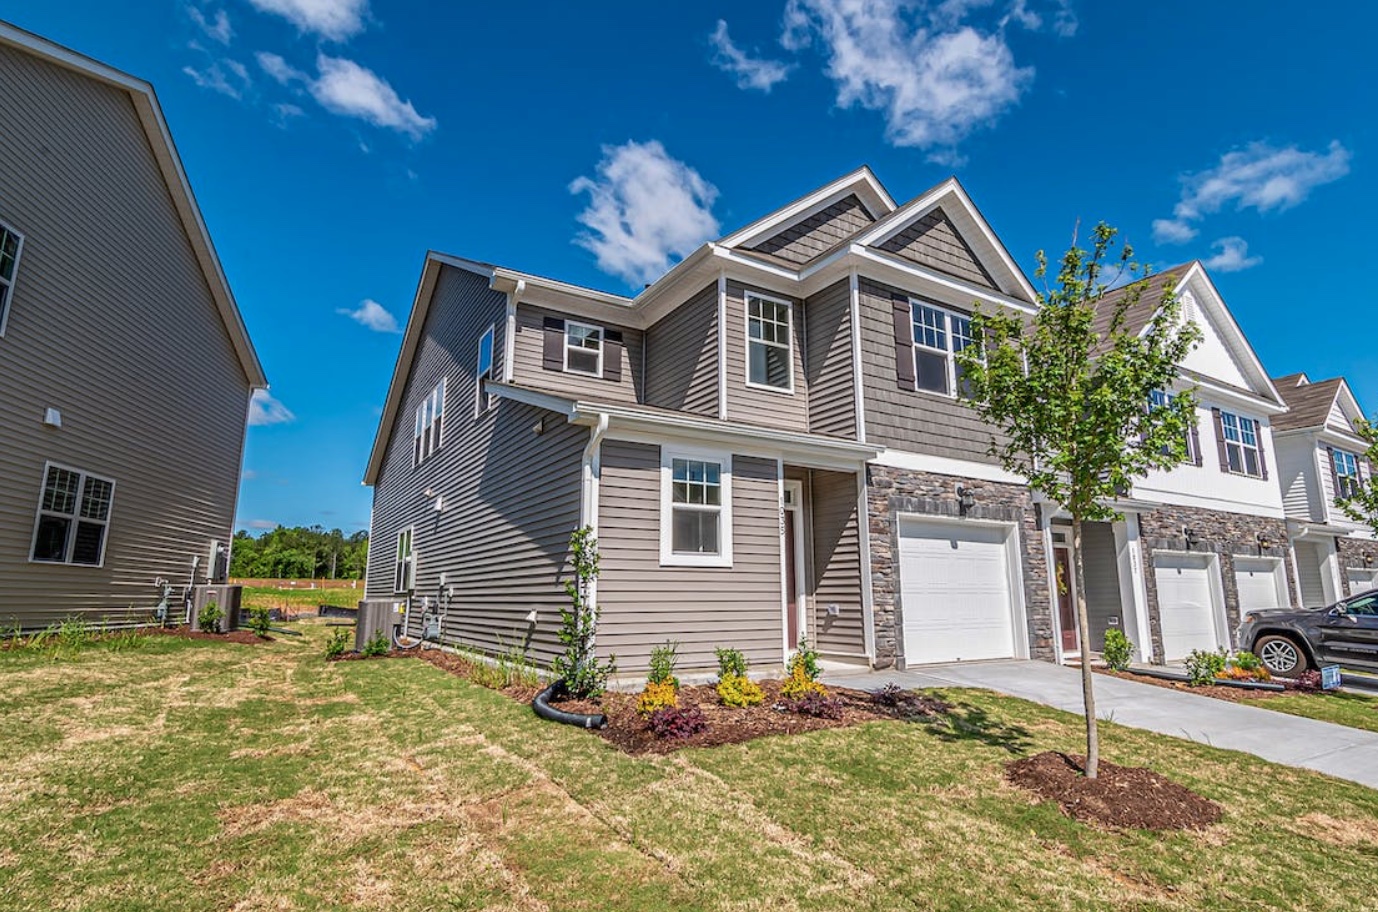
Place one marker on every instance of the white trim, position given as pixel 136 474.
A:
pixel 858 380
pixel 801 580
pixel 962 292
pixel 1159 497
pixel 780 486
pixel 1073 582
pixel 509 341
pixel 1214 578
pixel 7 286
pixel 944 465
pixel 722 344
pixel 429 427
pixel 598 372
pixel 1278 571
pixel 75 517
pixel 862 182
pixel 668 557
pixel 1050 571
pixel 747 295
pixel 406 564
pixel 1138 586
pixel 868 620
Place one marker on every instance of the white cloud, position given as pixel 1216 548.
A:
pixel 279 69
pixel 262 524
pixel 935 77
pixel 644 209
pixel 1259 176
pixel 346 88
pixel 1232 255
pixel 248 475
pixel 335 20
pixel 751 72
pixel 372 315
pixel 264 409
pixel 228 77
pixel 216 27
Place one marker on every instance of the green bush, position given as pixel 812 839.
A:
pixel 804 661
pixel 739 690
pixel 260 618
pixel 663 660
pixel 731 663
pixel 337 645
pixel 209 617
pixel 380 644
pixel 1204 667
pixel 1118 650
pixel 1245 660
pixel 584 675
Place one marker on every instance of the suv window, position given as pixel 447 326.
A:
pixel 1363 606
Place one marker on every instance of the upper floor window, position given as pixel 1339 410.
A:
pixel 583 348
pixel 696 509
pixel 11 243
pixel 1162 399
pixel 1243 449
pixel 73 516
pixel 1346 473
pixel 404 567
pixel 938 335
pixel 430 422
pixel 769 346
pixel 483 400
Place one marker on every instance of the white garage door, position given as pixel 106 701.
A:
pixel 1361 579
pixel 1186 608
pixel 955 592
pixel 1258 581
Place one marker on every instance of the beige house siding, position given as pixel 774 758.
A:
pixel 806 239
pixel 644 604
pixel 510 496
pixel 528 360
pixel 767 407
pixel 836 559
pixel 828 362
pixel 111 322
pixel 932 241
pixel 682 356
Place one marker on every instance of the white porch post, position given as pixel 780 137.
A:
pixel 1133 585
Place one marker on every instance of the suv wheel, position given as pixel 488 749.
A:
pixel 1281 655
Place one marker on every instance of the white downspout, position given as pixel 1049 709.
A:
pixel 509 342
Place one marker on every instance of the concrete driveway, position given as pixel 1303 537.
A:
pixel 1340 751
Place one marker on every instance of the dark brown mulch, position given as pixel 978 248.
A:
pixel 732 725
pixel 1120 796
pixel 186 633
pixel 1217 691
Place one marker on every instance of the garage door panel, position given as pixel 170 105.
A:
pixel 1361 579
pixel 1186 606
pixel 955 592
pixel 1258 583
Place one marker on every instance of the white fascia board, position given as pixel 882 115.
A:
pixel 1351 442
pixel 862 182
pixel 952 290
pixel 1206 290
pixel 944 465
pixel 1223 395
pixel 503 279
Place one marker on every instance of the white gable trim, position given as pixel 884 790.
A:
pixel 1209 300
pixel 861 182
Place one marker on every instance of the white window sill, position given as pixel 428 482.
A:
pixel 767 388
pixel 696 560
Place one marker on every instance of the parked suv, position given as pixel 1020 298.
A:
pixel 1290 640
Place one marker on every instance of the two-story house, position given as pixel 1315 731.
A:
pixel 1320 458
pixel 126 369
pixel 769 442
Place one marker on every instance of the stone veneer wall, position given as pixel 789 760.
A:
pixel 891 491
pixel 1225 534
pixel 1352 553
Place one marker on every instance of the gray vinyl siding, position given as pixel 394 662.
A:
pixel 682 356
pixel 828 363
pixel 932 241
pixel 1309 572
pixel 527 360
pixel 1102 582
pixel 644 604
pixel 908 420
pixel 111 322
pixel 809 237
pixel 770 408
pixel 836 563
pixel 1297 467
pixel 510 495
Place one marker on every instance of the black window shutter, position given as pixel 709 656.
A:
pixel 904 340
pixel 1220 440
pixel 1262 453
pixel 1196 444
pixel 553 352
pixel 612 355
pixel 1334 475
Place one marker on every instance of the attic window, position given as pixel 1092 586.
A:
pixel 1346 474
pixel 583 349
pixel 11 243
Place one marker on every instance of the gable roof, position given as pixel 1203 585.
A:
pixel 150 115
pixel 861 183
pixel 1310 405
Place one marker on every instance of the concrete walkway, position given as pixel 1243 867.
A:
pixel 1340 751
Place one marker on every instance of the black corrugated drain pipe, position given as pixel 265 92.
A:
pixel 543 709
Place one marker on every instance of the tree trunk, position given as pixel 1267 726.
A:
pixel 1084 634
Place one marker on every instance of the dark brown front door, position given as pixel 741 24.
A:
pixel 1066 602
pixel 791 583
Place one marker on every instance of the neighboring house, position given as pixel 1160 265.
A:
pixel 1321 458
pixel 1203 541
pixel 769 441
pixel 126 368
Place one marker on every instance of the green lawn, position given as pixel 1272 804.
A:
pixel 192 775
pixel 299 599
pixel 1352 709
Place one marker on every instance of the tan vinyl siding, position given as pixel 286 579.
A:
pixel 836 562
pixel 527 360
pixel 828 362
pixel 510 495
pixel 912 421
pixel 767 407
pixel 932 241
pixel 111 322
pixel 682 356
pixel 644 604
pixel 806 239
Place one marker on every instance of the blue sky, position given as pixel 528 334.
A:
pixel 332 142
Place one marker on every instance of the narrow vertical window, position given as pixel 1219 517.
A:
pixel 73 517
pixel 1241 444
pixel 429 424
pixel 932 356
pixel 11 243
pixel 483 400
pixel 404 568
pixel 1346 474
pixel 768 343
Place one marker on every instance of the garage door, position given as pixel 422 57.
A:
pixel 1258 581
pixel 955 592
pixel 1361 579
pixel 1186 608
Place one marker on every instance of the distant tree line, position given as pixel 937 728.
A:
pixel 299 553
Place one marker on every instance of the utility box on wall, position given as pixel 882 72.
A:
pixel 227 597
pixel 376 615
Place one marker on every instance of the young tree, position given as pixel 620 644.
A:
pixel 1362 505
pixel 1072 392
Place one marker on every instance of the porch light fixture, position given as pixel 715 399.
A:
pixel 1264 543
pixel 1368 559
pixel 1192 538
pixel 966 499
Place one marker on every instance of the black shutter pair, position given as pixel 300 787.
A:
pixel 553 349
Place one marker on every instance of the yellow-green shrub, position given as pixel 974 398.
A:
pixel 800 683
pixel 739 690
pixel 657 696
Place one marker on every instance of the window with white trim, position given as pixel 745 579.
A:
pixel 696 509
pixel 769 345
pixel 430 424
pixel 938 335
pixel 583 349
pixel 404 568
pixel 11 242
pixel 1346 474
pixel 1162 399
pixel 484 371
pixel 73 517
pixel 1241 444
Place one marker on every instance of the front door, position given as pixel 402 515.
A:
pixel 1066 600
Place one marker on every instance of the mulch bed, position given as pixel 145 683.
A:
pixel 1217 691
pixel 1120 796
pixel 186 633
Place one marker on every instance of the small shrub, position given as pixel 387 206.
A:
pixel 1251 665
pixel 799 683
pixel 74 633
pixel 677 722
pixel 1204 667
pixel 1308 681
pixel 805 658
pixel 739 690
pixel 657 697
pixel 663 660
pixel 731 663
pixel 815 703
pixel 1118 650
pixel 209 617
pixel 380 644
pixel 891 695
pixel 260 619
pixel 337 645
pixel 516 670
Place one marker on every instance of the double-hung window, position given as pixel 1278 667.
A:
pixel 1241 444
pixel 769 346
pixel 938 335
pixel 1346 474
pixel 11 242
pixel 73 517
pixel 404 568
pixel 483 401
pixel 583 349
pixel 696 509
pixel 430 423
pixel 1162 399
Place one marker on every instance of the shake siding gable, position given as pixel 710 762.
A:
pixel 806 239
pixel 530 370
pixel 771 408
pixel 644 604
pixel 111 322
pixel 828 363
pixel 932 241
pixel 682 356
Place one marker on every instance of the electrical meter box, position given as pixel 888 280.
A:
pixel 386 615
